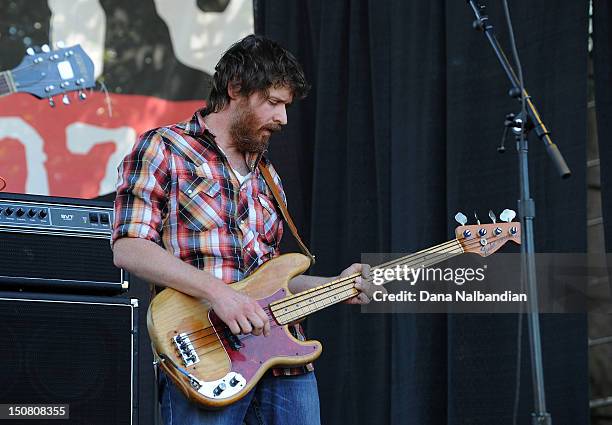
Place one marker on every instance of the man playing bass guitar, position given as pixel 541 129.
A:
pixel 193 212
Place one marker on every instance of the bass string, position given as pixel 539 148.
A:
pixel 350 280
pixel 348 283
pixel 343 285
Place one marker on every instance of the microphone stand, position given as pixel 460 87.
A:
pixel 526 206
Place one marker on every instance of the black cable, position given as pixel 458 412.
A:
pixel 522 141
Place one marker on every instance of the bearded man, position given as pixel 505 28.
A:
pixel 193 212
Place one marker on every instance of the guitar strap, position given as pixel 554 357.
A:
pixel 281 204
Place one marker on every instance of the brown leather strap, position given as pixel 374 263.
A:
pixel 281 204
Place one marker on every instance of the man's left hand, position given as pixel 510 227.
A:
pixel 362 283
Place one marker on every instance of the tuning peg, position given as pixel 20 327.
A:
pixel 82 95
pixel 51 102
pixel 461 218
pixel 65 99
pixel 60 45
pixel 30 51
pixel 45 48
pixel 492 216
pixel 507 215
pixel 476 216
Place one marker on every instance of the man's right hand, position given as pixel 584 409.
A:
pixel 149 261
pixel 241 313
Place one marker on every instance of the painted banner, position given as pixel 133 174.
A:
pixel 153 60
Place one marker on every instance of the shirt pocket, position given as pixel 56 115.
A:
pixel 268 226
pixel 200 203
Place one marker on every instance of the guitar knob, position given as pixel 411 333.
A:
pixel 461 218
pixel 233 381
pixel 45 48
pixel 507 215
pixel 30 51
pixel 82 95
pixel 65 100
pixel 219 389
pixel 51 102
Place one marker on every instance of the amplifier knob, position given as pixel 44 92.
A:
pixel 42 214
pixel 20 212
pixel 31 213
pixel 8 211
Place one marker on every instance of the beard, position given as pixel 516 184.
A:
pixel 247 133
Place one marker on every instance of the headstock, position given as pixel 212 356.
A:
pixel 485 239
pixel 49 73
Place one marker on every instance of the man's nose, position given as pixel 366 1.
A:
pixel 281 115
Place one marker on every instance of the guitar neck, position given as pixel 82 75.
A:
pixel 7 84
pixel 298 306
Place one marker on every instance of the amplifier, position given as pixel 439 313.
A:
pixel 79 351
pixel 57 243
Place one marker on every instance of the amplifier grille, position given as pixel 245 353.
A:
pixel 45 256
pixel 69 352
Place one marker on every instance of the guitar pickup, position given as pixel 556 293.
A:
pixel 232 340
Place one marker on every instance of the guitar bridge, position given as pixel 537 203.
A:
pixel 185 349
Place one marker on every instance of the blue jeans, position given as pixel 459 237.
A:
pixel 276 400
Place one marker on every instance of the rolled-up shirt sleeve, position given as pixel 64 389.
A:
pixel 141 190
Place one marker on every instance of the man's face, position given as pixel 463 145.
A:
pixel 257 116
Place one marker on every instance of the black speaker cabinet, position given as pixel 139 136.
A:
pixel 66 349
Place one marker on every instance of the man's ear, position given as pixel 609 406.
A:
pixel 233 89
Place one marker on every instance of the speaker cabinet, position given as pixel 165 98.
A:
pixel 75 350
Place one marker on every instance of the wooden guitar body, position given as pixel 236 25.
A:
pixel 212 366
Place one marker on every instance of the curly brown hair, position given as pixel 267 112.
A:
pixel 255 64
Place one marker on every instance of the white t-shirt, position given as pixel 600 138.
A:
pixel 239 176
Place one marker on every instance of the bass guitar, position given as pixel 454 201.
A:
pixel 215 368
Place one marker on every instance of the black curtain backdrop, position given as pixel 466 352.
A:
pixel 399 133
pixel 602 52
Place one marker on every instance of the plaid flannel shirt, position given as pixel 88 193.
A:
pixel 176 188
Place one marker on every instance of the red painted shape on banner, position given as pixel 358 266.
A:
pixel 12 163
pixel 75 170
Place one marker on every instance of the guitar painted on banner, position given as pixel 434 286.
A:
pixel 50 73
pixel 215 368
